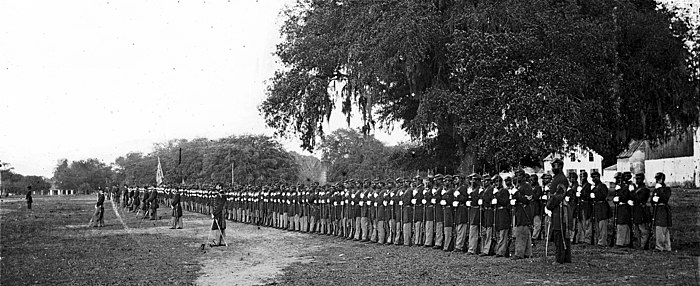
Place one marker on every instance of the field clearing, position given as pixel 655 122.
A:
pixel 52 245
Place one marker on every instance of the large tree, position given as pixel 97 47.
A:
pixel 497 83
pixel 83 176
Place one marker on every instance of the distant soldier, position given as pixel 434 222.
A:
pixel 560 214
pixel 447 213
pixel 418 211
pixel 489 202
pixel 586 207
pixel 125 196
pixel 439 214
pixel 98 216
pixel 28 197
pixel 430 202
pixel 153 203
pixel 572 198
pixel 218 226
pixel 177 210
pixel 461 197
pixel 662 213
pixel 502 223
pixel 623 202
pixel 536 207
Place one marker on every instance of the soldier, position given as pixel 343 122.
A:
pixel 439 213
pixel 623 202
pixel 125 196
pixel 153 203
pixel 448 198
pixel 430 201
pixel 488 202
pixel 418 211
pixel 661 219
pixel 375 200
pixel 573 200
pixel 98 217
pixel 585 209
pixel 365 206
pixel 176 210
pixel 28 197
pixel 218 226
pixel 398 210
pixel 461 197
pixel 407 211
pixel 475 215
pixel 521 200
pixel 640 212
pixel 382 211
pixel 502 222
pixel 558 210
pixel 536 207
pixel 357 204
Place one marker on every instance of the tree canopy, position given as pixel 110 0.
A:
pixel 83 176
pixel 496 83
pixel 253 158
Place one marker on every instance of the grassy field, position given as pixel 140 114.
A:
pixel 52 245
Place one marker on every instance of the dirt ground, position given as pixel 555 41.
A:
pixel 52 245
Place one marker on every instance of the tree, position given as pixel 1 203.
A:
pixel 84 176
pixel 310 169
pixel 251 159
pixel 497 83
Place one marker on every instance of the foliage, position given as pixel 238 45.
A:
pixel 254 158
pixel 310 168
pixel 83 176
pixel 498 83
pixel 17 183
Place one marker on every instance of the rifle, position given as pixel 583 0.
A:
pixel 651 230
pixel 577 218
pixel 614 233
pixel 494 240
pixel 631 244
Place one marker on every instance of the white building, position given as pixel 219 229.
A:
pixel 577 161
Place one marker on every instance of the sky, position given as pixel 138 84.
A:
pixel 98 79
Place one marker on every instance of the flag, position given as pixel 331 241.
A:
pixel 159 174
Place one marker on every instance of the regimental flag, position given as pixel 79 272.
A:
pixel 159 174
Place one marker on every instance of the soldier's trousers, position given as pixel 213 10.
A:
pixel 417 230
pixel 447 230
pixel 641 233
pixel 176 222
pixel 358 228
pixel 584 235
pixel 312 224
pixel 439 234
pixel 375 231
pixel 461 236
pixel 397 235
pixel 563 247
pixel 364 226
pixel 663 238
pixel 154 213
pixel 392 230
pixel 473 239
pixel 502 237
pixel 601 233
pixel 324 226
pixel 523 242
pixel 623 235
pixel 297 223
pixel 429 233
pixel 407 233
pixel 537 226
pixel 381 231
pixel 486 240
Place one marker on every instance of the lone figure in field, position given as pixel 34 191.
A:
pixel 177 210
pixel 28 197
pixel 98 216
pixel 218 226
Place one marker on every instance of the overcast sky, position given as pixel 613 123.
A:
pixel 97 79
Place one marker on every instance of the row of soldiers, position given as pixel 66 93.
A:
pixel 476 214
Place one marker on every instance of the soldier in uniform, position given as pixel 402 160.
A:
pixel 398 209
pixel 461 197
pixel 448 198
pixel 502 222
pixel 475 215
pixel 560 215
pixel 218 226
pixel 430 203
pixel 98 217
pixel 365 206
pixel 176 210
pixel 572 198
pixel 488 202
pixel 640 212
pixel 535 206
pixel 382 211
pixel 153 203
pixel 586 208
pixel 522 198
pixel 407 211
pixel 662 213
pixel 623 202
pixel 439 213
pixel 418 211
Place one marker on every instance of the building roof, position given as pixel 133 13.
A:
pixel 611 168
pixel 632 147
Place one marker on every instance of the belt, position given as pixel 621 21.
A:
pixel 475 207
pixel 501 208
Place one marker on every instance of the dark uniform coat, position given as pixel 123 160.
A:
pixel 663 211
